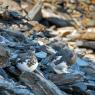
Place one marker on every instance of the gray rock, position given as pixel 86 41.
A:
pixel 13 88
pixel 91 92
pixel 4 57
pixel 81 85
pixel 40 85
pixel 41 54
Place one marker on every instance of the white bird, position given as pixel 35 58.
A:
pixel 28 64
pixel 61 67
pixel 61 61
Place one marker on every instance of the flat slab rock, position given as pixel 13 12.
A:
pixel 40 85
pixel 62 79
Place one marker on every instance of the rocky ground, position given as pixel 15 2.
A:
pixel 47 47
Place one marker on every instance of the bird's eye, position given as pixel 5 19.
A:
pixel 71 55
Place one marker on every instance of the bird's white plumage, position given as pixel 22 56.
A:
pixel 24 66
pixel 60 68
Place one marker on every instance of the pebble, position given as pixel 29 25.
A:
pixel 81 85
pixel 4 57
pixel 41 54
pixel 81 62
pixel 3 40
pixel 91 92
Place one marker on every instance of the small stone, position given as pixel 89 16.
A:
pixel 13 71
pixel 81 62
pixel 15 14
pixel 81 85
pixel 4 57
pixel 3 74
pixel 41 54
pixel 3 40
pixel 90 92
